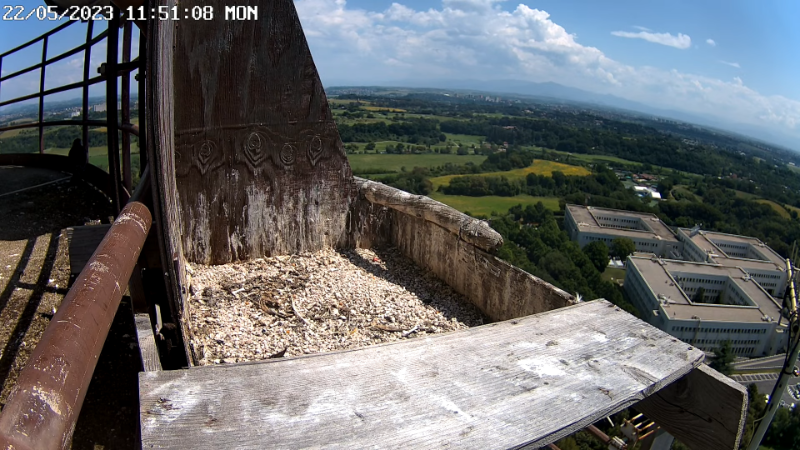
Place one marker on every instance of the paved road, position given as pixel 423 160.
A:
pixel 766 383
pixel 771 362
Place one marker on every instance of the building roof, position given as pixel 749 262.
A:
pixel 657 274
pixel 704 240
pixel 585 218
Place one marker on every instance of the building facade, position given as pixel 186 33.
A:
pixel 702 287
pixel 750 254
pixel 706 304
pixel 649 234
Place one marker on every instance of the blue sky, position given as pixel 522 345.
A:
pixel 735 61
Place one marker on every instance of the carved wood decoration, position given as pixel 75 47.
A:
pixel 259 164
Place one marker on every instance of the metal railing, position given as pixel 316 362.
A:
pixel 44 405
pixel 120 174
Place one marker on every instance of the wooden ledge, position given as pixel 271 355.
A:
pixel 525 381
pixel 476 232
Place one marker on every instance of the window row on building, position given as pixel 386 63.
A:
pixel 721 341
pixel 765 275
pixel 699 280
pixel 721 330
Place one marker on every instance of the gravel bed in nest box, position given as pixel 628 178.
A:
pixel 321 302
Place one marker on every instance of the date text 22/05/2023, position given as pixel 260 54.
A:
pixel 106 12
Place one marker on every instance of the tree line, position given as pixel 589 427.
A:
pixel 27 141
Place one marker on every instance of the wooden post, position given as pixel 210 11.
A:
pixel 161 160
pixel 704 410
pixel 260 166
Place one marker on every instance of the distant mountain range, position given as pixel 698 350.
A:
pixel 555 91
pixel 545 91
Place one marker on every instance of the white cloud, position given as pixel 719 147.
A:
pixel 476 40
pixel 711 42
pixel 732 64
pixel 642 28
pixel 680 41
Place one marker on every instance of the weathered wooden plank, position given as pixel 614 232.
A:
pixel 705 410
pixel 261 168
pixel 476 232
pixel 151 362
pixel 83 241
pixel 161 157
pixel 526 381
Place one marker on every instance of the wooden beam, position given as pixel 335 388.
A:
pixel 260 167
pixel 476 232
pixel 528 381
pixel 160 136
pixel 147 343
pixel 705 410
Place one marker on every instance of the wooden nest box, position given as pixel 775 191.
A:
pixel 247 162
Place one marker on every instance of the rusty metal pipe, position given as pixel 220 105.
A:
pixel 598 434
pixel 130 128
pixel 44 405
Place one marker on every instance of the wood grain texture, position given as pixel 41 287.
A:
pixel 705 410
pixel 161 154
pixel 83 241
pixel 526 381
pixel 476 232
pixel 151 362
pixel 261 168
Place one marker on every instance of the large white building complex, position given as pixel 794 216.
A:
pixel 743 280
pixel 734 307
pixel 587 224
pixel 761 262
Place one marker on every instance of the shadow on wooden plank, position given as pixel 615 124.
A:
pixel 705 409
pixel 527 381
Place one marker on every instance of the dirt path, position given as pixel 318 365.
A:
pixel 34 277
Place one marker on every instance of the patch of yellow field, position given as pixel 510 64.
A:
pixel 380 108
pixel 778 208
pixel 539 167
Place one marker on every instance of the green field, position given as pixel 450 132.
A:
pixel 539 167
pixel 336 101
pixel 580 158
pixel 683 189
pixel 371 161
pixel 12 133
pixel 745 195
pixel 487 205
pixel 465 139
pixel 98 156
pixel 778 208
pixel 382 108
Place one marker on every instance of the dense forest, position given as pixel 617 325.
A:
pixel 535 243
